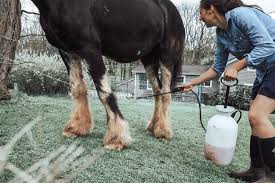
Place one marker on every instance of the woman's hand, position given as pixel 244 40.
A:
pixel 186 87
pixel 230 74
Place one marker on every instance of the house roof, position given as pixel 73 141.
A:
pixel 186 69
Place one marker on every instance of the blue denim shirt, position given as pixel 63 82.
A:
pixel 250 35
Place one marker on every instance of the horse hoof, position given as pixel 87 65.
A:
pixel 116 141
pixel 163 132
pixel 117 144
pixel 115 147
pixel 73 130
pixel 150 127
pixel 67 134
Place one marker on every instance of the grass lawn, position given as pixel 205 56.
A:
pixel 147 159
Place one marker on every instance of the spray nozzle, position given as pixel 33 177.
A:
pixel 177 89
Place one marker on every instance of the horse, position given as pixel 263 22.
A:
pixel 83 31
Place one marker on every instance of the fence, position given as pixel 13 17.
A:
pixel 179 97
pixel 119 95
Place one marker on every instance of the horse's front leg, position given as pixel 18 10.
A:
pixel 80 122
pixel 117 136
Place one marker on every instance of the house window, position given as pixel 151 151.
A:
pixel 149 87
pixel 207 84
pixel 142 81
pixel 144 84
pixel 251 69
pixel 181 79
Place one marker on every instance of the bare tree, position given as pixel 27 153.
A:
pixel 200 41
pixel 32 37
pixel 10 27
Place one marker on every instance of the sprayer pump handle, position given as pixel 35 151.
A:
pixel 229 83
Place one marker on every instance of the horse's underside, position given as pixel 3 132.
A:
pixel 84 30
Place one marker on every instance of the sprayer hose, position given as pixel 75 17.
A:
pixel 198 100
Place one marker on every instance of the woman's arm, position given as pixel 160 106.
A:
pixel 220 60
pixel 208 75
pixel 232 72
pixel 250 24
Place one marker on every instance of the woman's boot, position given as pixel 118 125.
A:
pixel 257 168
pixel 268 153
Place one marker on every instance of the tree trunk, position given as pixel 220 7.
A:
pixel 10 27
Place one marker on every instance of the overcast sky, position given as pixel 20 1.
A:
pixel 267 5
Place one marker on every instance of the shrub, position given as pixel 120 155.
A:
pixel 44 74
pixel 238 98
pixel 39 74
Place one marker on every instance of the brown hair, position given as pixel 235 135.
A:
pixel 223 6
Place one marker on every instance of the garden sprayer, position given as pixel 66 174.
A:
pixel 222 131
pixel 222 128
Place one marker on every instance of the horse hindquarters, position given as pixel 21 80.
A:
pixel 169 60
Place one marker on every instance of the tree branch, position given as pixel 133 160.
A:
pixel 31 35
pixel 7 38
pixel 28 12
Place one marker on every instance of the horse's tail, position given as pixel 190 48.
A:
pixel 178 62
pixel 177 71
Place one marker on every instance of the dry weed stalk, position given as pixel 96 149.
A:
pixel 50 168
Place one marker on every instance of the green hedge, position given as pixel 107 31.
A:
pixel 238 98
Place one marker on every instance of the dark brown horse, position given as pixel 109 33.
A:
pixel 84 30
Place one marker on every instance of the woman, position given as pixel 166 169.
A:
pixel 249 34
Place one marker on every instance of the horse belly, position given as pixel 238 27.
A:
pixel 126 53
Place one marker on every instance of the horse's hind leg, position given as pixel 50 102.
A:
pixel 117 136
pixel 159 124
pixel 80 122
pixel 163 127
pixel 170 68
